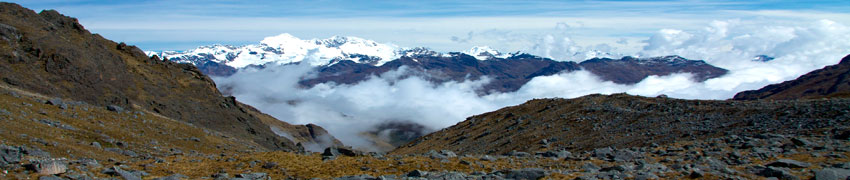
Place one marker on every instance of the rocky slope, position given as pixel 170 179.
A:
pixel 620 120
pixel 64 139
pixel 831 81
pixel 52 54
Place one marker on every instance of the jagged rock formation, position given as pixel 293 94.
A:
pixel 620 120
pixel 52 54
pixel 831 81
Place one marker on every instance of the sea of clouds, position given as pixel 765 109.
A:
pixel 347 111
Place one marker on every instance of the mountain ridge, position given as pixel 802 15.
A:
pixel 830 81
pixel 52 54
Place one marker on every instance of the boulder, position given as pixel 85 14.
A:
pixel 777 173
pixel 117 171
pixel 832 174
pixel 417 173
pixel 253 176
pixel 555 154
pixel 9 155
pixel 114 108
pixel 788 164
pixel 487 158
pixel 49 166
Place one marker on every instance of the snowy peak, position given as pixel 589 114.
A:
pixel 420 52
pixel 286 48
pixel 485 53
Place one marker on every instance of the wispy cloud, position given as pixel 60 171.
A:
pixel 183 24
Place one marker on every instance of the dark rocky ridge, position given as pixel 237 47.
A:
pixel 830 81
pixel 52 54
pixel 620 120
pixel 511 73
pixel 507 74
pixel 629 70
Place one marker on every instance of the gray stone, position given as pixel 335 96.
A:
pixel 619 168
pixel 590 167
pixel 358 177
pixel 49 166
pixel 646 176
pixel 96 145
pixel 269 165
pixel 777 173
pixel 129 153
pixel 336 151
pixel 801 142
pixel 435 155
pixel 220 176
pixel 527 173
pixel 115 108
pixel 417 173
pixel 602 152
pixel 515 153
pixel 57 102
pixel 624 155
pixel 173 177
pixel 832 174
pixel 10 155
pixel 487 158
pixel 50 177
pixel 842 165
pixel 253 176
pixel 449 176
pixel 117 171
pixel 555 154
pixel 448 153
pixel 788 164
pixel 330 151
pixel 78 177
pixel 696 174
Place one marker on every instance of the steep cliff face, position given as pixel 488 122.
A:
pixel 831 81
pixel 52 54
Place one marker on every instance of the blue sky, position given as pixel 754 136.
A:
pixel 441 25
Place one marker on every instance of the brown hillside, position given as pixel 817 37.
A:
pixel 52 54
pixel 831 81
pixel 620 120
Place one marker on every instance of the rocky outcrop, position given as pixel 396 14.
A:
pixel 829 82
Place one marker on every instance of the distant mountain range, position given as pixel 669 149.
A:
pixel 349 60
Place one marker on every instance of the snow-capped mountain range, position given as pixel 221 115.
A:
pixel 285 49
